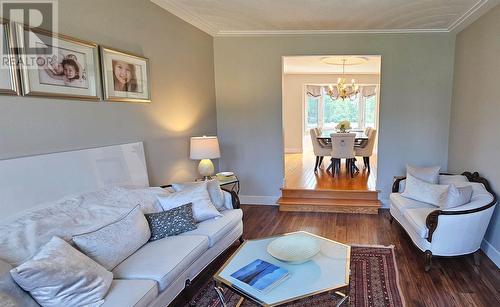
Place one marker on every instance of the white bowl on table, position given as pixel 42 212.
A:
pixel 294 248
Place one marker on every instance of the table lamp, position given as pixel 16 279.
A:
pixel 205 148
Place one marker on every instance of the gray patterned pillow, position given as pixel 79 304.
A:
pixel 171 222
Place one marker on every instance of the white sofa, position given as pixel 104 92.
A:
pixel 452 232
pixel 155 274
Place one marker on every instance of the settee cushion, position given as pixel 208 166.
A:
pixel 402 203
pixel 416 218
pixel 162 260
pixel 215 229
pixel 137 293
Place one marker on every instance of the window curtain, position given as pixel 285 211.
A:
pixel 313 90
pixel 368 91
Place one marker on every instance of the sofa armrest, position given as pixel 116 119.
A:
pixel 396 182
pixel 231 199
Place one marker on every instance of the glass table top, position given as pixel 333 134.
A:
pixel 328 270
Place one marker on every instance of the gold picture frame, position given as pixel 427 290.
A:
pixel 79 56
pixel 126 76
pixel 9 85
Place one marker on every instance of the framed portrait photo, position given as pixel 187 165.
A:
pixel 9 81
pixel 125 76
pixel 55 65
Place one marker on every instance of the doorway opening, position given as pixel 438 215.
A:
pixel 312 100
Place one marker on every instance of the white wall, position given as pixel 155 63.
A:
pixel 475 113
pixel 183 91
pixel 293 102
pixel 416 82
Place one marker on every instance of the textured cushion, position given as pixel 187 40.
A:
pixel 203 209
pixel 428 174
pixel 453 179
pixel 59 275
pixel 22 238
pixel 214 190
pixel 126 197
pixel 111 244
pixel 215 229
pixel 136 293
pixel 456 196
pixel 423 191
pixel 171 222
pixel 162 260
pixel 11 294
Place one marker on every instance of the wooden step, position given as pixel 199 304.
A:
pixel 329 205
pixel 329 194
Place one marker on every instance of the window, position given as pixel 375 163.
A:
pixel 324 112
pixel 312 112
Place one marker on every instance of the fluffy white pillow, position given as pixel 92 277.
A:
pixel 453 179
pixel 456 196
pixel 203 208
pixel 423 191
pixel 429 174
pixel 214 190
pixel 113 243
pixel 59 275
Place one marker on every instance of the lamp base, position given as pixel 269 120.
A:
pixel 206 169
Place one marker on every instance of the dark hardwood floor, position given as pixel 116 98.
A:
pixel 451 281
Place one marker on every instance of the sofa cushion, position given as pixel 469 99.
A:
pixel 416 218
pixel 402 203
pixel 111 244
pixel 137 293
pixel 171 222
pixel 59 275
pixel 452 179
pixel 10 293
pixel 428 174
pixel 162 260
pixel 215 229
pixel 423 191
pixel 214 190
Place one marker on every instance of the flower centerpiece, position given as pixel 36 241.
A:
pixel 343 126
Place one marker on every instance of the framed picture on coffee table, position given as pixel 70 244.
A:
pixel 9 82
pixel 125 76
pixel 64 68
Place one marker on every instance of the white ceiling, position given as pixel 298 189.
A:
pixel 260 17
pixel 316 64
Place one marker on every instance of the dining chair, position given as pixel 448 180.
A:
pixel 367 150
pixel 319 150
pixel 342 148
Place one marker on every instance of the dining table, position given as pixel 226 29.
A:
pixel 359 139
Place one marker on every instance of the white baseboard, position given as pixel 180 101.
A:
pixel 293 150
pixel 258 200
pixel 491 252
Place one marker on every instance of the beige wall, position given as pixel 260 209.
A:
pixel 414 111
pixel 293 102
pixel 475 113
pixel 183 92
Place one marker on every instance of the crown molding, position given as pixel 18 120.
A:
pixel 187 16
pixel 325 32
pixel 476 11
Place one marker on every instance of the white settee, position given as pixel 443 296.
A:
pixel 451 232
pixel 152 276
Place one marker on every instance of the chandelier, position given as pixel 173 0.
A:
pixel 343 89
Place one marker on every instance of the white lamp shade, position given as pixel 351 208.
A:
pixel 204 147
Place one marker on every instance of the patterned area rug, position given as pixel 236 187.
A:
pixel 373 282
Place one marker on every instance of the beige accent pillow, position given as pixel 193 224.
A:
pixel 456 196
pixel 59 275
pixel 214 190
pixel 429 174
pixel 113 243
pixel 423 191
pixel 203 208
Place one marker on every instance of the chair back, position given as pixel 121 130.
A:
pixel 367 150
pixel 343 145
pixel 315 143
